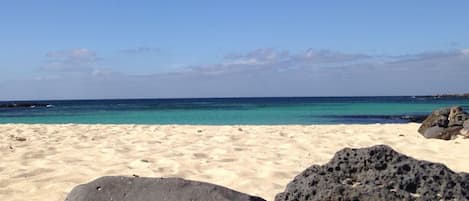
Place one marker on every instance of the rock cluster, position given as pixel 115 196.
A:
pixel 22 105
pixel 376 173
pixel 367 174
pixel 445 123
pixel 154 189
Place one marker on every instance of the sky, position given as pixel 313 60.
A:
pixel 182 49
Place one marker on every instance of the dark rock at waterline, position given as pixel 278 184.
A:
pixel 376 173
pixel 444 123
pixel 23 105
pixel 436 118
pixel 153 189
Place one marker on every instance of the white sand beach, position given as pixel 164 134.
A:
pixel 258 160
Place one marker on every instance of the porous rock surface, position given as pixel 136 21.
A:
pixel 376 173
pixel 444 123
pixel 117 188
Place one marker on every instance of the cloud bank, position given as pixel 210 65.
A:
pixel 260 72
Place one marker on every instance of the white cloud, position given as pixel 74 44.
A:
pixel 265 59
pixel 465 51
pixel 72 60
pixel 328 56
pixel 77 54
pixel 257 56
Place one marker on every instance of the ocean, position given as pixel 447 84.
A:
pixel 230 111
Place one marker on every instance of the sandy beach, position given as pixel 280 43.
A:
pixel 44 162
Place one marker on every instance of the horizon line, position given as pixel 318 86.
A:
pixel 232 97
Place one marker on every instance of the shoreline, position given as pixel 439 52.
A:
pixel 255 159
pixel 208 125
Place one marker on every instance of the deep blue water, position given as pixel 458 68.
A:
pixel 229 111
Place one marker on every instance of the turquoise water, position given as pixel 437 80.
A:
pixel 229 111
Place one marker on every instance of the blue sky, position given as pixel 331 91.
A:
pixel 165 49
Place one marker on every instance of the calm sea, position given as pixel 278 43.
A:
pixel 229 111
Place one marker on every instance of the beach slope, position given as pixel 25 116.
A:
pixel 44 162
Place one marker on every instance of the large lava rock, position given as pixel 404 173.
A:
pixel 376 173
pixel 153 189
pixel 444 123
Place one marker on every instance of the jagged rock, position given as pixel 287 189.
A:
pixel 376 173
pixel 444 123
pixel 458 119
pixel 153 189
pixel 454 111
pixel 436 118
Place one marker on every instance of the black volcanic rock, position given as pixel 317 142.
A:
pixel 436 118
pixel 153 189
pixel 374 174
pixel 444 123
pixel 22 105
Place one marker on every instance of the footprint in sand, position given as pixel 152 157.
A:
pixel 227 160
pixel 200 155
pixel 238 149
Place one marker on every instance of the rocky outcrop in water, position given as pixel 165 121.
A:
pixel 154 189
pixel 23 105
pixel 464 95
pixel 376 173
pixel 444 123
